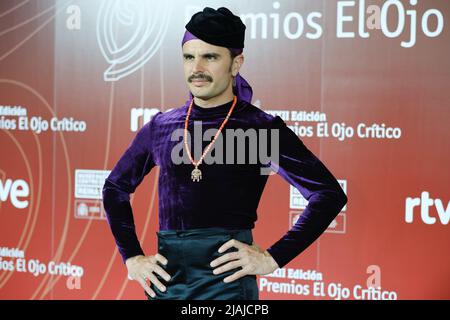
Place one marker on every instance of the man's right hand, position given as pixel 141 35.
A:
pixel 143 268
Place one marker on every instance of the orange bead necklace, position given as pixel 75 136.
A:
pixel 196 174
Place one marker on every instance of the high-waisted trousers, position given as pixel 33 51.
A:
pixel 189 254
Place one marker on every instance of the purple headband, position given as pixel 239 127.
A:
pixel 242 90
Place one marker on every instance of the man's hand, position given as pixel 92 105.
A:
pixel 252 260
pixel 143 268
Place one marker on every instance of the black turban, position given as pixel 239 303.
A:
pixel 218 27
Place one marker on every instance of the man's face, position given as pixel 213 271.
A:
pixel 208 69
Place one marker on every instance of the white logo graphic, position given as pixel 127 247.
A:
pixel 139 24
pixel 82 210
pixel 424 203
pixel 89 209
pixel 88 193
pixel 15 190
pixel 89 183
pixel 146 114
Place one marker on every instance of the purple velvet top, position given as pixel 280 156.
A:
pixel 228 194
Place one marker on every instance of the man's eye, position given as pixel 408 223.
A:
pixel 211 57
pixel 188 57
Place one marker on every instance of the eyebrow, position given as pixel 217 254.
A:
pixel 205 55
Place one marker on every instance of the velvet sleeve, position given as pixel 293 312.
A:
pixel 302 169
pixel 127 174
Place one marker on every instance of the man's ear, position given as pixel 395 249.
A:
pixel 238 61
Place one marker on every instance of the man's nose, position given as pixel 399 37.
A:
pixel 197 66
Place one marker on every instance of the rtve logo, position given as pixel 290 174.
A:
pixel 15 190
pixel 424 203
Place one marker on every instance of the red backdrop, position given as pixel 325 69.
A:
pixel 78 78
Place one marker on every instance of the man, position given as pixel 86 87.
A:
pixel 207 211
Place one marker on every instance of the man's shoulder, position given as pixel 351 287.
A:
pixel 168 114
pixel 260 115
pixel 255 112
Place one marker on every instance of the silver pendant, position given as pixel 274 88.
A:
pixel 196 175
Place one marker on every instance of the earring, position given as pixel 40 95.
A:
pixel 234 81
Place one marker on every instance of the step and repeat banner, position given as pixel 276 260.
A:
pixel 364 84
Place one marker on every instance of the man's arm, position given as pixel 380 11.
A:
pixel 128 173
pixel 302 169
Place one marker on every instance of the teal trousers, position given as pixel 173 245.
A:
pixel 189 254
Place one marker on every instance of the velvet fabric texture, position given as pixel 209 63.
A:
pixel 228 194
pixel 189 254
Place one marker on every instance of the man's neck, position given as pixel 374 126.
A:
pixel 213 102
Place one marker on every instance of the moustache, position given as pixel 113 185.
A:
pixel 200 77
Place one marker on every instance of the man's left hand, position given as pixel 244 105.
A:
pixel 252 260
